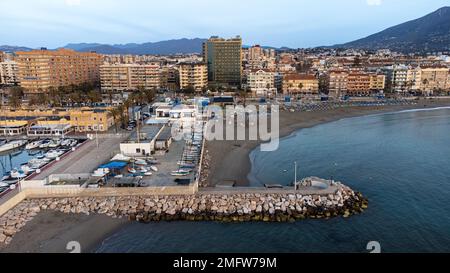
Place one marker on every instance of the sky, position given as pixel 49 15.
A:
pixel 291 23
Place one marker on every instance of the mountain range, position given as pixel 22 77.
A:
pixel 430 33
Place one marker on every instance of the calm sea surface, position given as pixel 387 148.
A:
pixel 14 158
pixel 400 161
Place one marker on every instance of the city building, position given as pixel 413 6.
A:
pixel 358 84
pixel 169 78
pixel 129 77
pixel 91 120
pixel 300 84
pixel 337 83
pixel 193 75
pixel 224 60
pixel 433 78
pixel 42 69
pixel 9 73
pixel 262 82
pixel 80 119
pixel 2 56
pixel 414 79
pixel 398 78
pixel 377 82
pixel 354 83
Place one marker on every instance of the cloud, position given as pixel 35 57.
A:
pixel 374 2
pixel 72 3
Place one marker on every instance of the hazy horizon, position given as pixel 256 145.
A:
pixel 295 24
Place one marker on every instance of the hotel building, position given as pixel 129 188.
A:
pixel 262 82
pixel 41 69
pixel 337 83
pixel 433 78
pixel 129 77
pixel 194 75
pixel 354 83
pixel 224 60
pixel 303 84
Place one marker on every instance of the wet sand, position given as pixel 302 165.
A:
pixel 230 159
pixel 50 231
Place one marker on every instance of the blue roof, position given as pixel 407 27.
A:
pixel 115 165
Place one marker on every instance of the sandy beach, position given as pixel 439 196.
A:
pixel 230 159
pixel 50 231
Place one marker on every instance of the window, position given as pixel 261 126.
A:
pixel 138 151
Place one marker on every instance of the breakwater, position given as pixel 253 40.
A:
pixel 229 206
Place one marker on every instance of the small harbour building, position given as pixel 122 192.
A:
pixel 143 143
pixel 164 139
pixel 49 130
pixel 13 127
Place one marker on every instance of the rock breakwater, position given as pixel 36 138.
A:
pixel 226 207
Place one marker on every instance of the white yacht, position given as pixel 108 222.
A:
pixel 12 145
pixel 33 145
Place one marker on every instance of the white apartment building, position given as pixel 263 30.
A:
pixel 9 73
pixel 399 78
pixel 262 82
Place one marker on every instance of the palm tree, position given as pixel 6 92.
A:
pixel 115 112
pixel 425 83
pixel 127 104
pixel 122 116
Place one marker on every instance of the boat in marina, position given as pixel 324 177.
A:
pixel 27 169
pixel 154 168
pixel 12 145
pixel 16 174
pixel 66 142
pixel 43 158
pixel 2 141
pixel 140 162
pixel 54 143
pixel 73 143
pixel 148 174
pixel 131 170
pixel 52 154
pixel 36 163
pixel 33 145
pixel 44 144
pixel 179 173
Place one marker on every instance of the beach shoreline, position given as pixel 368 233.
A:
pixel 51 231
pixel 230 160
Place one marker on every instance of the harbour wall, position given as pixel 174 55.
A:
pixel 181 203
